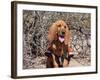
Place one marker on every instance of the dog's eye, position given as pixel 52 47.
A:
pixel 59 25
pixel 64 26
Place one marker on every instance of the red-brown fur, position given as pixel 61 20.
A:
pixel 55 45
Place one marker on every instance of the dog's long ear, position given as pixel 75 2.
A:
pixel 52 32
pixel 67 36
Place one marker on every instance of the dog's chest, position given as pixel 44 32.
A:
pixel 59 48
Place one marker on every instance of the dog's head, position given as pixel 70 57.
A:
pixel 60 30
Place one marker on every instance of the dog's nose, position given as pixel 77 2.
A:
pixel 63 32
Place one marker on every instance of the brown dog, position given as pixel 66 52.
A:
pixel 59 38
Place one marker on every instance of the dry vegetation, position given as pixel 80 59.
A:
pixel 35 28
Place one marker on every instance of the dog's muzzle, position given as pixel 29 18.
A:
pixel 61 35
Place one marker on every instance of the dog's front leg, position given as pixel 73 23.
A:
pixel 65 63
pixel 54 61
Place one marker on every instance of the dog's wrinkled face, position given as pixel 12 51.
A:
pixel 59 29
